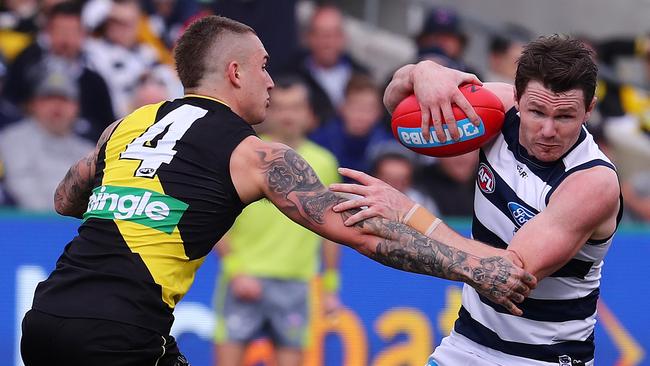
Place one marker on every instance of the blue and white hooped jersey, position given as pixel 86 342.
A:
pixel 560 314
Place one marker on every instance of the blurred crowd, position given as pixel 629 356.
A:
pixel 70 68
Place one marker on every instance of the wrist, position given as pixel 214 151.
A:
pixel 515 258
pixel 422 220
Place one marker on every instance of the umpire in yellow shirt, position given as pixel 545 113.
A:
pixel 267 259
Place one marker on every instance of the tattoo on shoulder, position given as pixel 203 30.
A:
pixel 289 175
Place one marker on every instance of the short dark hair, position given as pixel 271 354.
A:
pixel 560 63
pixel 66 8
pixel 360 82
pixel 290 80
pixel 386 156
pixel 193 46
pixel 511 34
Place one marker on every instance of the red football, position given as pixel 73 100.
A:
pixel 407 121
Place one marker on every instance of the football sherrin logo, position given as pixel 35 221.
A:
pixel 485 178
pixel 413 137
pixel 519 213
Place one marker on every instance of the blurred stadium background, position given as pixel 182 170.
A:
pixel 50 113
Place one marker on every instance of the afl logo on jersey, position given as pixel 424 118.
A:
pixel 146 171
pixel 485 178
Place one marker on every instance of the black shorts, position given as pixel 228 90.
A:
pixel 52 340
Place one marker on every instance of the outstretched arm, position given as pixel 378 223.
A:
pixel 71 196
pixel 542 246
pixel 291 184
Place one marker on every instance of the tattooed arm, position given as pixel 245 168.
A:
pixel 279 173
pixel 71 196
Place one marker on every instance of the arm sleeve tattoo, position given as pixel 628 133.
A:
pixel 72 194
pixel 297 188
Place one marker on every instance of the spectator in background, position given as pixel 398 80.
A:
pixel 166 18
pixel 325 65
pixel 61 46
pixel 38 150
pixel 396 169
pixel 149 90
pixel 624 113
pixel 122 59
pixel 451 183
pixel 442 39
pixel 5 198
pixel 19 15
pixel 505 48
pixel 9 113
pixel 351 136
pixel 268 260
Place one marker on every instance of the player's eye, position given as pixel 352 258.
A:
pixel 537 112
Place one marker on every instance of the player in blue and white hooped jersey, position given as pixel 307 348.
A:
pixel 544 191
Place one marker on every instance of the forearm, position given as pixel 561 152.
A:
pixel 72 194
pixel 402 247
pixel 433 227
pixel 291 184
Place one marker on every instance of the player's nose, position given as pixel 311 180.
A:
pixel 548 128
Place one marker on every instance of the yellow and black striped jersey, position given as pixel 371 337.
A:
pixel 162 198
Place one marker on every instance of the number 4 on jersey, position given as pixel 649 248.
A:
pixel 156 145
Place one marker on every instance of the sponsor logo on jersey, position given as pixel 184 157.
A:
pixel 564 360
pixel 485 178
pixel 519 213
pixel 412 137
pixel 149 208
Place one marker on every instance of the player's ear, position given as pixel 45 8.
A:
pixel 233 72
pixel 590 108
pixel 592 105
pixel 515 98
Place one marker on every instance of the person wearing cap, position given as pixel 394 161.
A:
pixel 38 150
pixel 442 39
pixel 62 44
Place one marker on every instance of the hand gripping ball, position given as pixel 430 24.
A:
pixel 406 123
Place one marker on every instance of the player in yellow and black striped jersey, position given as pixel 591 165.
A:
pixel 162 197
pixel 167 181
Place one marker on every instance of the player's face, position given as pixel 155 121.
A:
pixel 550 122
pixel 256 82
